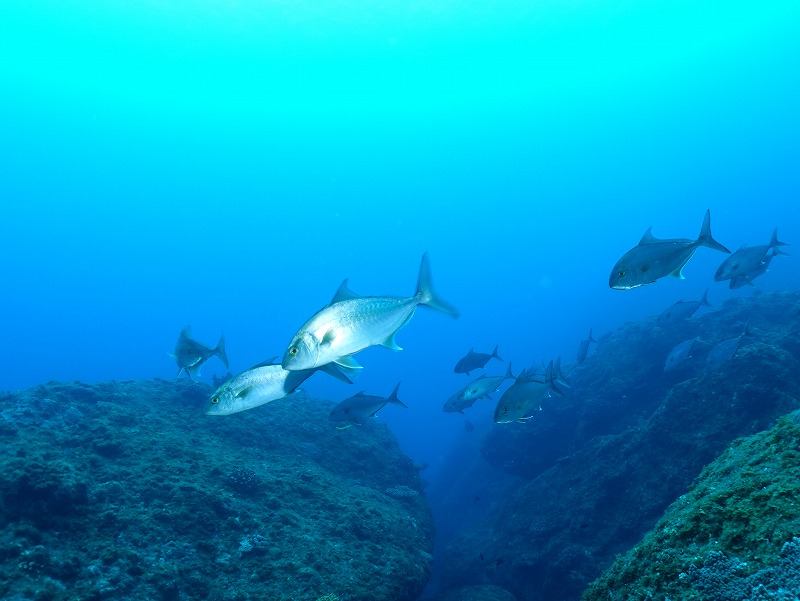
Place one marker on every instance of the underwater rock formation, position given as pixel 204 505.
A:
pixel 127 490
pixel 601 464
pixel 730 538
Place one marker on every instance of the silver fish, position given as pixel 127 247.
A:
pixel 747 280
pixel 747 260
pixel 474 391
pixel 524 397
pixel 583 348
pixel 262 384
pixel 352 323
pixel 361 407
pixel 190 354
pixel 680 354
pixel 724 350
pixel 473 360
pixel 681 310
pixel 654 258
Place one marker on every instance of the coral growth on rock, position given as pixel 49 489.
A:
pixel 126 490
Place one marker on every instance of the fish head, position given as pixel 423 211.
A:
pixel 625 276
pixel 302 353
pixel 342 413
pixel 222 402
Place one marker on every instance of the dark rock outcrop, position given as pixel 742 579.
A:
pixel 601 464
pixel 126 490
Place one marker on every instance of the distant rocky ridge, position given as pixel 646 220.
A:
pixel 601 464
pixel 127 490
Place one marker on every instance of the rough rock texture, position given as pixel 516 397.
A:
pixel 601 464
pixel 485 592
pixel 127 490
pixel 731 538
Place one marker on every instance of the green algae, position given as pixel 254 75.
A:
pixel 745 504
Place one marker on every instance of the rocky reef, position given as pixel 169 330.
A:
pixel 127 490
pixel 600 465
pixel 732 537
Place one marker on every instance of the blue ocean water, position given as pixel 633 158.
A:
pixel 227 165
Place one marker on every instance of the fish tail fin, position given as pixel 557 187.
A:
pixel 495 355
pixel 777 251
pixel 590 336
pixel 705 238
pixel 747 331
pixel 704 300
pixel 220 350
pixel 393 397
pixel 425 294
pixel 509 373
pixel 774 240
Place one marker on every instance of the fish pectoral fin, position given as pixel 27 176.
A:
pixel 243 392
pixel 391 343
pixel 328 338
pixel 348 362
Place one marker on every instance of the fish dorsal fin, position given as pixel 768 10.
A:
pixel 270 361
pixel 648 237
pixel 344 293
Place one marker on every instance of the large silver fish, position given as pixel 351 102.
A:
pixel 262 384
pixel 681 310
pixel 748 260
pixel 523 399
pixel 680 354
pixel 654 258
pixel 473 360
pixel 352 323
pixel 190 354
pixel 475 391
pixel 724 350
pixel 747 280
pixel 360 407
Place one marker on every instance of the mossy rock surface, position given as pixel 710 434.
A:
pixel 729 537
pixel 127 490
pixel 599 466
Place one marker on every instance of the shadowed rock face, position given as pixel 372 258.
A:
pixel 126 490
pixel 601 464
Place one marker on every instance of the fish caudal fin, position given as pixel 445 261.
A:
pixel 706 239
pixel 704 300
pixel 425 294
pixel 774 242
pixel 495 355
pixel 393 397
pixel 220 350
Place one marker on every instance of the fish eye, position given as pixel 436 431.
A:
pixel 214 400
pixel 293 351
pixel 621 274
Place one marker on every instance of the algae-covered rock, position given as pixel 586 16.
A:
pixel 600 465
pixel 730 538
pixel 127 490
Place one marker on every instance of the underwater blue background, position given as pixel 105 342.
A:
pixel 226 165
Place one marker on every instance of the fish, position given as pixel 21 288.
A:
pixel 680 354
pixel 747 259
pixel 747 280
pixel 351 323
pixel 654 258
pixel 583 348
pixel 473 360
pixel 190 354
pixel 523 399
pixel 724 350
pixel 681 310
pixel 262 384
pixel 360 407
pixel 474 391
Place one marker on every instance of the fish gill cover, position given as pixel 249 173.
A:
pixel 126 490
